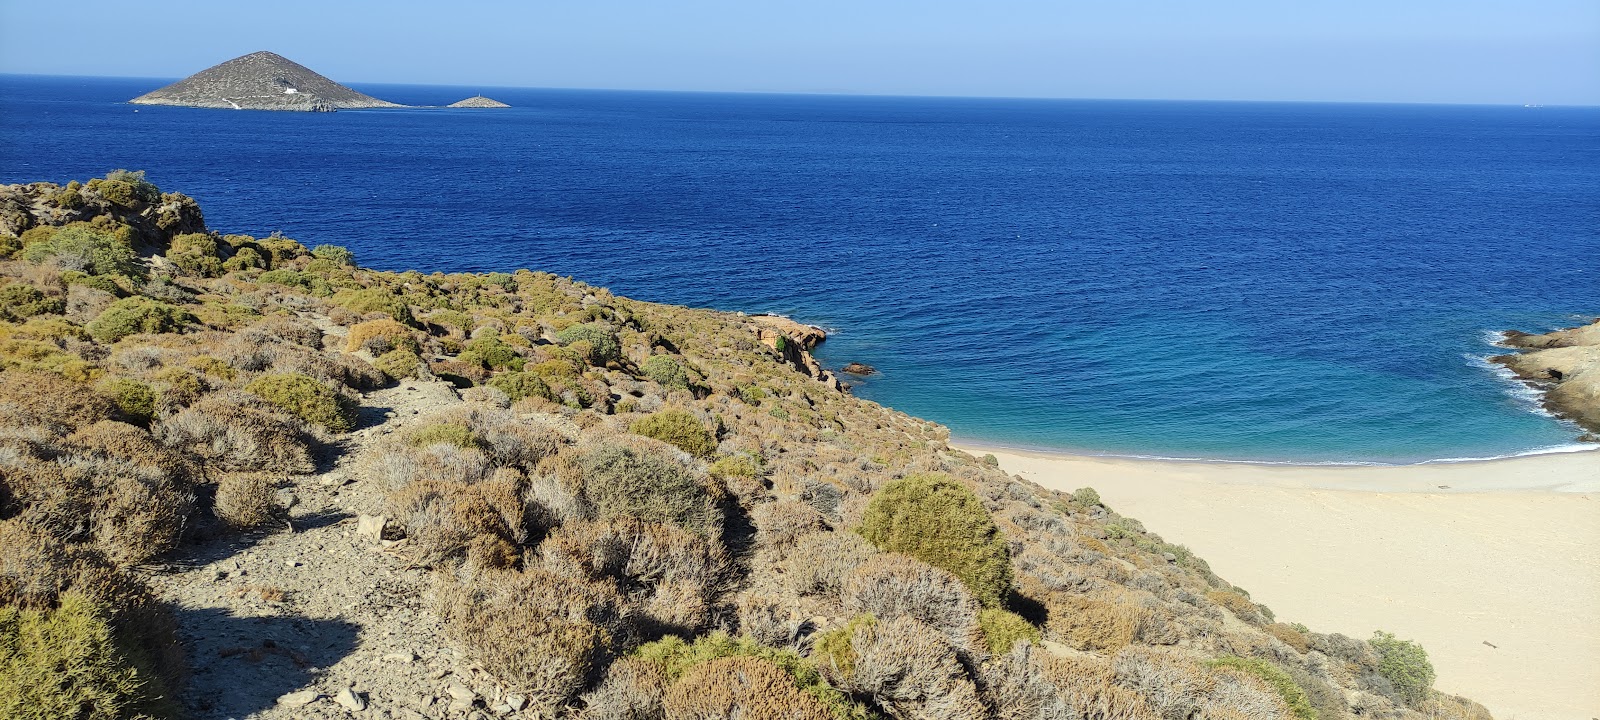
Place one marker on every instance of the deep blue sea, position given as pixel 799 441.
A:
pixel 1274 282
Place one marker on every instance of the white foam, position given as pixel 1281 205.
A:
pixel 1495 338
pixel 1525 394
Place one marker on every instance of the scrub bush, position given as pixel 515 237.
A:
pixel 381 336
pixel 128 189
pixel 18 302
pixel 641 478
pixel 666 370
pixel 86 249
pixel 673 576
pixel 307 399
pixel 398 364
pixel 196 254
pixel 603 345
pixel 519 385
pixel 130 316
pixel 1404 664
pixel 236 432
pixel 740 687
pixel 247 500
pixel 891 586
pixel 906 667
pixel 334 253
pixel 375 301
pixel 134 400
pixel 936 519
pixel 66 662
pixel 1003 628
pixel 1275 677
pixel 679 428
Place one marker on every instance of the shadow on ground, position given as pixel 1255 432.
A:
pixel 242 665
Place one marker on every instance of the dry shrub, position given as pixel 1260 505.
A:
pixel 381 336
pixel 1103 624
pixel 235 432
pixel 32 399
pixel 483 523
pixel 143 490
pixel 507 440
pixel 1248 695
pixel 820 562
pixel 281 329
pixel 679 428
pixel 549 649
pixel 638 477
pixel 1452 707
pixel 36 571
pixel 246 500
pixel 779 524
pixel 1290 636
pixel 672 576
pixel 770 621
pixel 307 398
pixel 905 666
pixel 1175 686
pixel 740 687
pixel 633 689
pixel 892 586
pixel 1027 684
pixel 1239 605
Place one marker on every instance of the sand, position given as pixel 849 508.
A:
pixel 1493 566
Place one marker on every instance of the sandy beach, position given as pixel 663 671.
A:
pixel 1493 566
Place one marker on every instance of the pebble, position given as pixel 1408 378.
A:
pixel 402 657
pixel 517 702
pixel 370 526
pixel 299 699
pixel 291 563
pixel 461 692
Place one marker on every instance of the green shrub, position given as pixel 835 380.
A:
pixel 66 662
pixel 84 248
pixel 741 465
pixel 134 399
pixel 138 314
pixel 940 522
pixel 493 353
pixel 307 399
pixel 836 648
pixel 398 364
pixel 1003 628
pixel 373 301
pixel 248 257
pixel 518 385
pixel 666 370
pixel 334 253
pixel 446 433
pixel 19 302
pixel 69 197
pixel 293 278
pixel 1086 496
pixel 128 189
pixel 679 428
pixel 1405 664
pixel 602 347
pixel 1280 681
pixel 676 658
pixel 196 254
pixel 281 250
pixel 620 478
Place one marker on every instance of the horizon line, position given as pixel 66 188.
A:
pixel 861 94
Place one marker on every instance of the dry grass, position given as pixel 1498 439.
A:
pixel 234 432
pixel 671 576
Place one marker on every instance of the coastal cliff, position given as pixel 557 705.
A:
pixel 261 81
pixel 268 482
pixel 1565 364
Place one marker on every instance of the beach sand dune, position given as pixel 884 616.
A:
pixel 1493 566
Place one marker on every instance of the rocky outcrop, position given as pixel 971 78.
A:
pixel 794 341
pixel 856 368
pixel 261 81
pixel 1566 365
pixel 122 199
pixel 478 101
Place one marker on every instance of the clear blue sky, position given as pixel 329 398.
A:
pixel 1466 51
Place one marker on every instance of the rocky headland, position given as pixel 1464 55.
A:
pixel 478 101
pixel 261 81
pixel 244 477
pixel 1565 364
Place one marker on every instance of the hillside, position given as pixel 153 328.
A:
pixel 260 81
pixel 240 477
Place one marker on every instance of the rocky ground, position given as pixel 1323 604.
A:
pixel 1566 365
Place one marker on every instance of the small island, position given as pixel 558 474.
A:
pixel 478 101
pixel 261 81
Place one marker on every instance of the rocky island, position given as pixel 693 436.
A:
pixel 261 81
pixel 478 101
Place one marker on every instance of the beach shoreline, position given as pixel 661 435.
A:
pixel 1492 565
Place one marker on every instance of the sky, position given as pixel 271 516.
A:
pixel 1429 51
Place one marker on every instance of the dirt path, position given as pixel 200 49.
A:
pixel 323 621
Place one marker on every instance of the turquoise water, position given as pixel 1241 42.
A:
pixel 1274 282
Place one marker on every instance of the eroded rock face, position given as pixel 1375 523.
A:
pixel 1566 364
pixel 808 337
pixel 261 81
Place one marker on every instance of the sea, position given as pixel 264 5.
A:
pixel 1268 282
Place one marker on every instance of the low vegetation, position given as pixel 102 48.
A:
pixel 707 531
